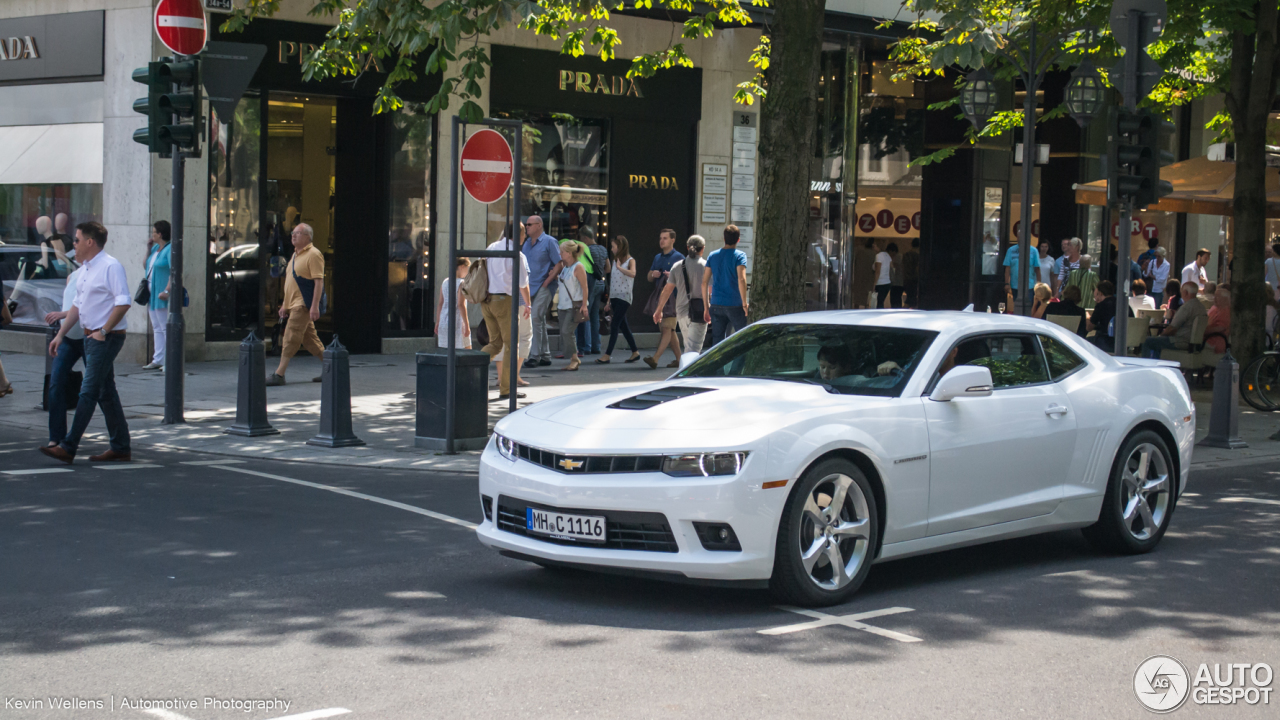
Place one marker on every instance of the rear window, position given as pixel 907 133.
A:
pixel 1062 361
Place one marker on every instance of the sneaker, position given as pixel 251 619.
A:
pixel 529 364
pixel 544 362
pixel 274 380
pixel 153 366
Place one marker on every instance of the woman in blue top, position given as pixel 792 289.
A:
pixel 158 280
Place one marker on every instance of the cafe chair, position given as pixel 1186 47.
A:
pixel 1070 322
pixel 1137 331
pixel 1199 359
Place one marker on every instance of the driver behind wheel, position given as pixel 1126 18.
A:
pixel 835 362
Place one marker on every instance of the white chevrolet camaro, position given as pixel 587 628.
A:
pixel 806 447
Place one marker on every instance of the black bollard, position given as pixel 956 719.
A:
pixel 251 391
pixel 1224 417
pixel 335 400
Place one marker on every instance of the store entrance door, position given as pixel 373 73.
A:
pixel 320 171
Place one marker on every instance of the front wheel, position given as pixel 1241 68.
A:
pixel 1139 499
pixel 827 536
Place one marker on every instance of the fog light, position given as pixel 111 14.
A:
pixel 486 506
pixel 718 537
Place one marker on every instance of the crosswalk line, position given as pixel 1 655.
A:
pixel 36 471
pixel 127 466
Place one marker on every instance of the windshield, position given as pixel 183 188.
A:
pixel 849 359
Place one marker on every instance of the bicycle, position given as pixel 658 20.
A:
pixel 1260 382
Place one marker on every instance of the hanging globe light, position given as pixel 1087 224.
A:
pixel 978 97
pixel 1085 93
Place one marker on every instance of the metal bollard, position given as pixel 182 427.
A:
pixel 251 391
pixel 1224 417
pixel 335 400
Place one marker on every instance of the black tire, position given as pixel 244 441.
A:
pixel 791 582
pixel 1142 532
pixel 1260 383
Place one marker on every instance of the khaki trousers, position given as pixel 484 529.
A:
pixel 497 319
pixel 299 331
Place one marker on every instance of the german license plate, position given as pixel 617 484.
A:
pixel 565 527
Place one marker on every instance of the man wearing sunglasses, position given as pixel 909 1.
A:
pixel 102 299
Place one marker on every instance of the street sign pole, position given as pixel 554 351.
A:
pixel 1129 85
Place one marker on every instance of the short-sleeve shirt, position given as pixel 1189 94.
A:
pixel 691 288
pixel 308 263
pixel 664 263
pixel 724 264
pixel 1193 273
pixel 584 257
pixel 1011 262
pixel 885 267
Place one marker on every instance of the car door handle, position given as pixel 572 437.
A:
pixel 1055 410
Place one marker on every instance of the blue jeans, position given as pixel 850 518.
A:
pixel 589 329
pixel 726 321
pixel 99 388
pixel 1152 347
pixel 68 353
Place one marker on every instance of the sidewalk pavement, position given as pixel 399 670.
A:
pixel 383 411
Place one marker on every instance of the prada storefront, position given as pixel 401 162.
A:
pixel 604 152
pixel 314 152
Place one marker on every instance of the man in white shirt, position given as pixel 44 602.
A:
pixel 70 352
pixel 102 299
pixel 1046 264
pixel 1194 273
pixel 497 308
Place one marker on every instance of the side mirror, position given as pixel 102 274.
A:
pixel 963 381
pixel 687 359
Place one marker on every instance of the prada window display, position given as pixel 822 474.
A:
pixel 410 299
pixel 565 174
pixel 37 223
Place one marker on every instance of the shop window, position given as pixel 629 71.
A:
pixel 233 262
pixel 410 297
pixel 37 223
pixel 564 176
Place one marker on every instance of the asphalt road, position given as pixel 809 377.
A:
pixel 182 581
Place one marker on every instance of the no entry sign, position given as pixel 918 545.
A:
pixel 180 26
pixel 486 166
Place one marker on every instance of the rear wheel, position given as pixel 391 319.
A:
pixel 827 536
pixel 1260 383
pixel 1139 499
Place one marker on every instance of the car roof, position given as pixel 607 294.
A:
pixel 940 321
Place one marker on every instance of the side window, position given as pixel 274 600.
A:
pixel 1062 361
pixel 1013 360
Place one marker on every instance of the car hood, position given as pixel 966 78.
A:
pixel 730 413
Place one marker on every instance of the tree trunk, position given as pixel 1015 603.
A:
pixel 1253 73
pixel 787 134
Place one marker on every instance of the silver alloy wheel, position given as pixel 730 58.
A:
pixel 1146 491
pixel 834 532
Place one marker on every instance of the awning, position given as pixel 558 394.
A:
pixel 51 154
pixel 1200 186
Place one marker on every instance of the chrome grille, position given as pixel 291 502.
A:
pixel 589 464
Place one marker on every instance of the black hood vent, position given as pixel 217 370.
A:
pixel 657 397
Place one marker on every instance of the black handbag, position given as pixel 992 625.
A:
pixel 143 294
pixel 697 308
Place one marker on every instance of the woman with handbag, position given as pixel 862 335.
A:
pixel 153 291
pixel 573 301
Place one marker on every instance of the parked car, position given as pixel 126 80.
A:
pixel 33 281
pixel 799 451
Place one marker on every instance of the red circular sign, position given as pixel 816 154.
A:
pixel 1035 228
pixel 486 166
pixel 902 224
pixel 884 218
pixel 1135 228
pixel 915 221
pixel 867 222
pixel 1150 231
pixel 180 26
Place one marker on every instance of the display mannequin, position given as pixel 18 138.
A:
pixel 56 266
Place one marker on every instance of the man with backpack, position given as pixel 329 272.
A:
pixel 303 296
pixel 496 305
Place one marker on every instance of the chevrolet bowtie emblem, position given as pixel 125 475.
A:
pixel 570 464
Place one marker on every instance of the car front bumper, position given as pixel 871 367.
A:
pixel 736 500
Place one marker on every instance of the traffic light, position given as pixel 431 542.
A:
pixel 1135 158
pixel 1150 137
pixel 183 102
pixel 156 78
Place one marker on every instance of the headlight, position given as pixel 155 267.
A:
pixel 704 464
pixel 506 447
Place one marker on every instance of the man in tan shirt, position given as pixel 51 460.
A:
pixel 303 288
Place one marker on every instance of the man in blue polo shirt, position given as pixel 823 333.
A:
pixel 725 282
pixel 543 253
pixel 1011 269
pixel 661 268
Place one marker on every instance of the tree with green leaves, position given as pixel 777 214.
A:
pixel 1226 47
pixel 443 36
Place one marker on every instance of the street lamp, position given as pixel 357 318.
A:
pixel 1085 93
pixel 978 97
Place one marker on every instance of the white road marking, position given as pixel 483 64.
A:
pixel 852 621
pixel 165 714
pixel 36 471
pixel 352 493
pixel 1260 501
pixel 15 450
pixel 213 462
pixel 315 714
pixel 127 466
